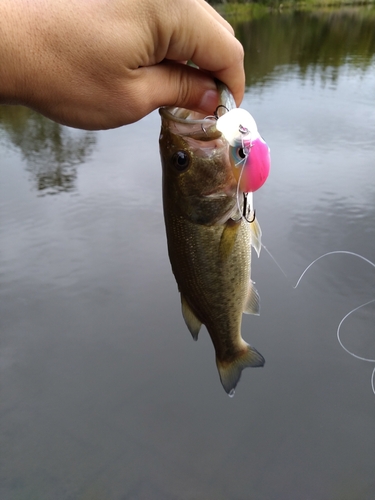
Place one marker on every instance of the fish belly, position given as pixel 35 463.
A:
pixel 214 283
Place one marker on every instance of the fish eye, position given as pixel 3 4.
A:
pixel 181 160
pixel 242 153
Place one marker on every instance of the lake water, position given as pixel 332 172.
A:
pixel 104 395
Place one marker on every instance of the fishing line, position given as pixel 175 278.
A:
pixel 345 252
pixel 338 332
pixel 273 258
pixel 238 187
pixel 331 253
pixel 352 353
pixel 249 196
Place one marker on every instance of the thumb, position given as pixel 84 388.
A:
pixel 176 84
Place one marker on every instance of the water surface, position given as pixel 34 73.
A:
pixel 104 395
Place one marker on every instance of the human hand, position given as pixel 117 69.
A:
pixel 96 64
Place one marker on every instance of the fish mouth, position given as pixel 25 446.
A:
pixel 215 195
pixel 228 191
pixel 197 125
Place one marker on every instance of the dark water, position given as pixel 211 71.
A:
pixel 104 396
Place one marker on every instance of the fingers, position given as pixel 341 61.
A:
pixel 203 36
pixel 178 85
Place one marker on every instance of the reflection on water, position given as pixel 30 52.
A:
pixel 52 152
pixel 104 395
pixel 318 42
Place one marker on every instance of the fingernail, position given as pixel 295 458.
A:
pixel 209 101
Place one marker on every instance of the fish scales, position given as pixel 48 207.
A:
pixel 205 275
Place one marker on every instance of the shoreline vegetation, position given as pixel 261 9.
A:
pixel 250 9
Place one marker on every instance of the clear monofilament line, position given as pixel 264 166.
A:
pixel 332 253
pixel 275 261
pixel 238 188
pixel 369 360
pixel 338 332
pixel 344 252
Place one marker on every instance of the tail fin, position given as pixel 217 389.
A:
pixel 230 373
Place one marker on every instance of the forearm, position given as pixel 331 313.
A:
pixel 42 52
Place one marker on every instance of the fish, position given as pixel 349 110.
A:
pixel 209 240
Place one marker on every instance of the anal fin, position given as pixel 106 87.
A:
pixel 192 322
pixel 252 304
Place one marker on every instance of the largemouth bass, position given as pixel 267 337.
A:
pixel 209 240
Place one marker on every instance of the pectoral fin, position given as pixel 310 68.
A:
pixel 230 373
pixel 256 236
pixel 228 238
pixel 192 322
pixel 252 304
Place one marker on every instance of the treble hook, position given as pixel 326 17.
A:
pixel 217 109
pixel 244 211
pixel 253 219
pixel 215 115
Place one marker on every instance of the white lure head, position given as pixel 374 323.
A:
pixel 236 125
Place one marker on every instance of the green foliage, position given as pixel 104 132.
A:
pixel 237 12
pixel 245 10
pixel 230 6
pixel 306 40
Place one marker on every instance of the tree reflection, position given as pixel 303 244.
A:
pixel 323 40
pixel 51 151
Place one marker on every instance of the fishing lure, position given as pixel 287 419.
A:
pixel 249 154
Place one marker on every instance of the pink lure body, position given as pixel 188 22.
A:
pixel 252 169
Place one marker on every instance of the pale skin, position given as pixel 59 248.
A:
pixel 98 64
